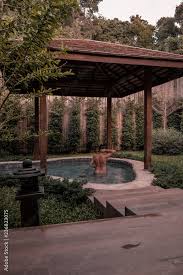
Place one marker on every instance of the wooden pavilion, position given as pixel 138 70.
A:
pixel 103 69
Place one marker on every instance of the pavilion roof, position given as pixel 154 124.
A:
pixel 102 68
pixel 112 49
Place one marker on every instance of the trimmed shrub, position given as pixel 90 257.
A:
pixel 157 120
pixel 74 136
pixel 92 125
pixel 55 136
pixel 128 131
pixel 174 120
pixel 168 175
pixel 139 108
pixel 168 142
pixel 71 192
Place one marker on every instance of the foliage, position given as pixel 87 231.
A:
pixel 74 135
pixel 92 125
pixel 55 134
pixel 114 130
pixel 63 202
pixel 71 192
pixel 165 29
pixel 26 28
pixel 141 32
pixel 137 32
pixel 174 120
pixel 181 123
pixel 9 117
pixel 111 30
pixel 168 175
pixel 7 201
pixel 8 181
pixel 81 25
pixel 179 14
pixel 139 117
pixel 157 120
pixel 128 131
pixel 53 211
pixel 167 141
pixel 90 5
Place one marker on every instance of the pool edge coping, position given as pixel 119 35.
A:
pixel 143 177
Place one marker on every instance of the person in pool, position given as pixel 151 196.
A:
pixel 99 160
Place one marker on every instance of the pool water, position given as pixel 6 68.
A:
pixel 117 172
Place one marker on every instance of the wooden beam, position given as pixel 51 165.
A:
pixel 120 60
pixel 43 132
pixel 147 117
pixel 109 123
pixel 74 81
pixel 36 153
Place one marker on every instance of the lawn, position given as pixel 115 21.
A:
pixel 168 170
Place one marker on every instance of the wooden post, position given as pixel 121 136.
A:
pixel 109 123
pixel 43 138
pixel 147 118
pixel 36 153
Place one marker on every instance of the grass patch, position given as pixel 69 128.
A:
pixel 168 170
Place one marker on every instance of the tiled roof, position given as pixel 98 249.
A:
pixel 110 49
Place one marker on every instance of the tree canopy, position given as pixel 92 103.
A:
pixel 26 27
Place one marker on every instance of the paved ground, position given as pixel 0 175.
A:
pixel 131 246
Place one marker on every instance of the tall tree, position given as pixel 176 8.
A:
pixel 137 32
pixel 179 15
pixel 167 33
pixel 141 32
pixel 111 30
pixel 82 24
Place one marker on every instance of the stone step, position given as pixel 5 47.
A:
pixel 129 193
pixel 102 193
pixel 145 205
pixel 100 200
pixel 153 208
pixel 117 204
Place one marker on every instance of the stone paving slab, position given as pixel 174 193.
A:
pixel 122 246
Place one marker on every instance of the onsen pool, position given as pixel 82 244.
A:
pixel 79 168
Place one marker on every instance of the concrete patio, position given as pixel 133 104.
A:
pixel 147 245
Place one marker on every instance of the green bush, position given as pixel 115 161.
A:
pixel 63 202
pixel 74 136
pixel 8 202
pixel 92 125
pixel 168 175
pixel 168 142
pixel 128 131
pixel 8 181
pixel 54 211
pixel 157 120
pixel 71 192
pixel 55 134
pixel 139 116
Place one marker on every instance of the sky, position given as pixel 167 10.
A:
pixel 150 10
